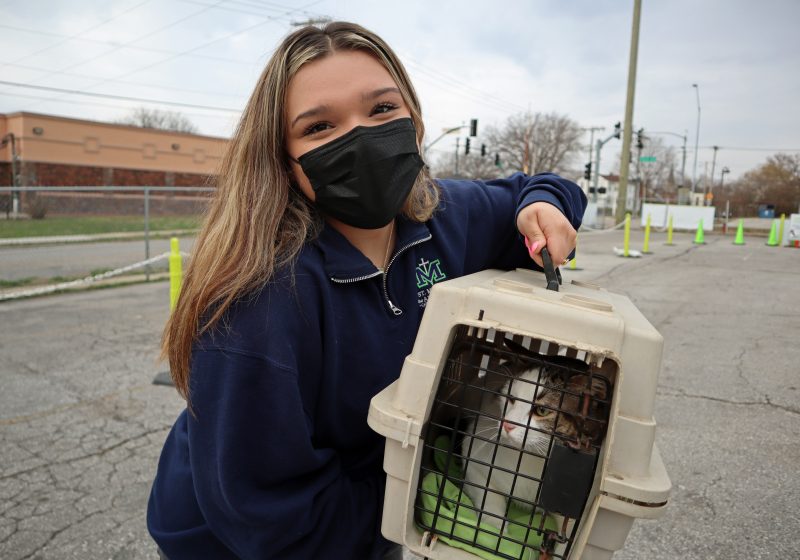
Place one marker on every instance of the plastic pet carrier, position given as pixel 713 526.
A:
pixel 521 426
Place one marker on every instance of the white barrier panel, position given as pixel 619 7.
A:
pixel 791 230
pixel 590 215
pixel 683 217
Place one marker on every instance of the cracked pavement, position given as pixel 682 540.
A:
pixel 81 425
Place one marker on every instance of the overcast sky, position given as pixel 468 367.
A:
pixel 468 59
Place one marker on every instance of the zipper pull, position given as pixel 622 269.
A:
pixel 396 310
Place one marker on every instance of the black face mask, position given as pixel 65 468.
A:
pixel 364 177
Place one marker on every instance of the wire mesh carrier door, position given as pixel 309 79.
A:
pixel 512 445
pixel 521 426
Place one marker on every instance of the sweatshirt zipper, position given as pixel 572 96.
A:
pixel 357 279
pixel 395 310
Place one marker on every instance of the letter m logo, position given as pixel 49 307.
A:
pixel 428 273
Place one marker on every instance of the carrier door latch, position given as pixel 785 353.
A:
pixel 551 273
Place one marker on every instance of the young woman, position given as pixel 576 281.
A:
pixel 304 295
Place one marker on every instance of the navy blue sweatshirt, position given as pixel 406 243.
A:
pixel 279 461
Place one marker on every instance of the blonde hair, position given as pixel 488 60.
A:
pixel 256 221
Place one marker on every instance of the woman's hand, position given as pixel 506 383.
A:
pixel 543 225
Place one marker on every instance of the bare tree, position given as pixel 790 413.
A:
pixel 536 142
pixel 156 118
pixel 775 182
pixel 657 177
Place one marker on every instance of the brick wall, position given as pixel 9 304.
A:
pixel 111 203
pixel 51 175
pixel 54 175
pixel 5 174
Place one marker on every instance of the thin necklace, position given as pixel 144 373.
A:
pixel 386 255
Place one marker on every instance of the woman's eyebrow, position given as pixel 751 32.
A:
pixel 378 92
pixel 311 113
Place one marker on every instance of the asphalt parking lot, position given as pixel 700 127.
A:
pixel 81 425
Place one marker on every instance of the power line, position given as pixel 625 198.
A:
pixel 268 19
pixel 116 48
pixel 210 115
pixel 240 11
pixel 202 45
pixel 452 79
pixel 433 79
pixel 71 37
pixel 750 149
pixel 120 97
pixel 125 47
pixel 132 83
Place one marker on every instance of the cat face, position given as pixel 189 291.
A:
pixel 540 404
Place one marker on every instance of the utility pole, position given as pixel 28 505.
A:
pixel 626 139
pixel 455 173
pixel 640 188
pixel 683 161
pixel 713 167
pixel 696 138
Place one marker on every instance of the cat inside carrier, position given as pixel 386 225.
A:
pixel 511 445
pixel 521 426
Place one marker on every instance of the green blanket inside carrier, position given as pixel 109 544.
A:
pixel 457 515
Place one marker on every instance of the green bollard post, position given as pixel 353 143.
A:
pixel 627 245
pixel 175 272
pixel 646 247
pixel 573 265
pixel 780 229
pixel 669 231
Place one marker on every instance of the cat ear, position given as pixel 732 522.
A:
pixel 519 357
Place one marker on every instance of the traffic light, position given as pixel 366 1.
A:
pixel 473 127
pixel 497 160
pixel 617 129
pixel 640 138
pixel 466 148
pixel 483 150
pixel 587 171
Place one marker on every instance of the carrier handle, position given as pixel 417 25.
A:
pixel 551 273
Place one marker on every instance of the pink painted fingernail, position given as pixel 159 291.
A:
pixel 532 248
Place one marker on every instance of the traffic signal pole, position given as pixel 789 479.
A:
pixel 600 144
pixel 626 140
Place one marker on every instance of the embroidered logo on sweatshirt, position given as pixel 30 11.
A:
pixel 428 273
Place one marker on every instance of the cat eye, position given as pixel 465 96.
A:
pixel 542 411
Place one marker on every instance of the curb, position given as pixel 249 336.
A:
pixel 62 239
pixel 116 282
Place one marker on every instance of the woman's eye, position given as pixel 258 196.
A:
pixel 316 127
pixel 384 107
pixel 542 412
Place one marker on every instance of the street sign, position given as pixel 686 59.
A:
pixel 647 159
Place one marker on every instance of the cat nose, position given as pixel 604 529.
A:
pixel 508 427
